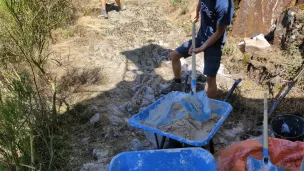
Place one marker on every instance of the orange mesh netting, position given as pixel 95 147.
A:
pixel 283 153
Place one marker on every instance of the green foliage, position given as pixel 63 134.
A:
pixel 246 59
pixel 228 49
pixel 25 28
pixel 15 112
pixel 300 15
pixel 293 61
pixel 27 128
pixel 236 4
pixel 28 131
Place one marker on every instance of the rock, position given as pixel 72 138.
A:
pixel 149 94
pixel 85 140
pixel 117 134
pixel 288 31
pixel 100 153
pixel 147 143
pixel 299 2
pixel 145 103
pixel 136 145
pixel 256 44
pixel 151 138
pixel 114 120
pixel 123 107
pixel 275 80
pixel 93 167
pixel 257 16
pixel 95 118
pixel 114 110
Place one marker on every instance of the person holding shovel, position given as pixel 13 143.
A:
pixel 104 12
pixel 215 16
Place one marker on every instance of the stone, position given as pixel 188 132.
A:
pixel 147 143
pixel 114 120
pixel 288 31
pixel 100 153
pixel 299 2
pixel 117 134
pixel 114 110
pixel 151 138
pixel 149 94
pixel 85 140
pixel 136 145
pixel 144 103
pixel 256 44
pixel 257 16
pixel 95 118
pixel 93 167
pixel 123 107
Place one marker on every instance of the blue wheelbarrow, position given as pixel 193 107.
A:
pixel 183 159
pixel 220 109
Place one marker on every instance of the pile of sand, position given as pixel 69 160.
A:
pixel 187 127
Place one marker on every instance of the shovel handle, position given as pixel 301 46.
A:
pixel 265 127
pixel 193 81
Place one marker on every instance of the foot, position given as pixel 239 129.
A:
pixel 174 86
pixel 201 78
pixel 118 8
pixel 104 14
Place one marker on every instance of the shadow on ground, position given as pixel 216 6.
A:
pixel 140 88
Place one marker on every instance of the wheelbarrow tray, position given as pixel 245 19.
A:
pixel 186 159
pixel 141 120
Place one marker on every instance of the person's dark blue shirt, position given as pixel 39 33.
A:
pixel 213 13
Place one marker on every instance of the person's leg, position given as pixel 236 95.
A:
pixel 212 59
pixel 104 10
pixel 176 64
pixel 175 56
pixel 212 87
pixel 118 3
pixel 103 4
pixel 181 51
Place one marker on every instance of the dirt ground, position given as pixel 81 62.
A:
pixel 108 70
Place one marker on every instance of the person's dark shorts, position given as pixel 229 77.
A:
pixel 212 56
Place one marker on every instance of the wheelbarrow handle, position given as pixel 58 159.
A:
pixel 235 84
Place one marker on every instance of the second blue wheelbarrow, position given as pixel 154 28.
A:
pixel 186 159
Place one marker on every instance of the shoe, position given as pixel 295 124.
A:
pixel 174 86
pixel 120 8
pixel 201 78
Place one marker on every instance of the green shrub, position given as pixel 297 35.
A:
pixel 27 127
pixel 228 49
pixel 29 138
pixel 293 61
pixel 25 28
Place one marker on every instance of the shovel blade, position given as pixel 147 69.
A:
pixel 197 106
pixel 259 165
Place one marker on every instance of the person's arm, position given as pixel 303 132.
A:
pixel 220 29
pixel 223 20
pixel 196 12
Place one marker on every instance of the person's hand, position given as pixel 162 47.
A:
pixel 194 16
pixel 196 50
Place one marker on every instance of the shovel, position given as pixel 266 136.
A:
pixel 198 110
pixel 265 164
